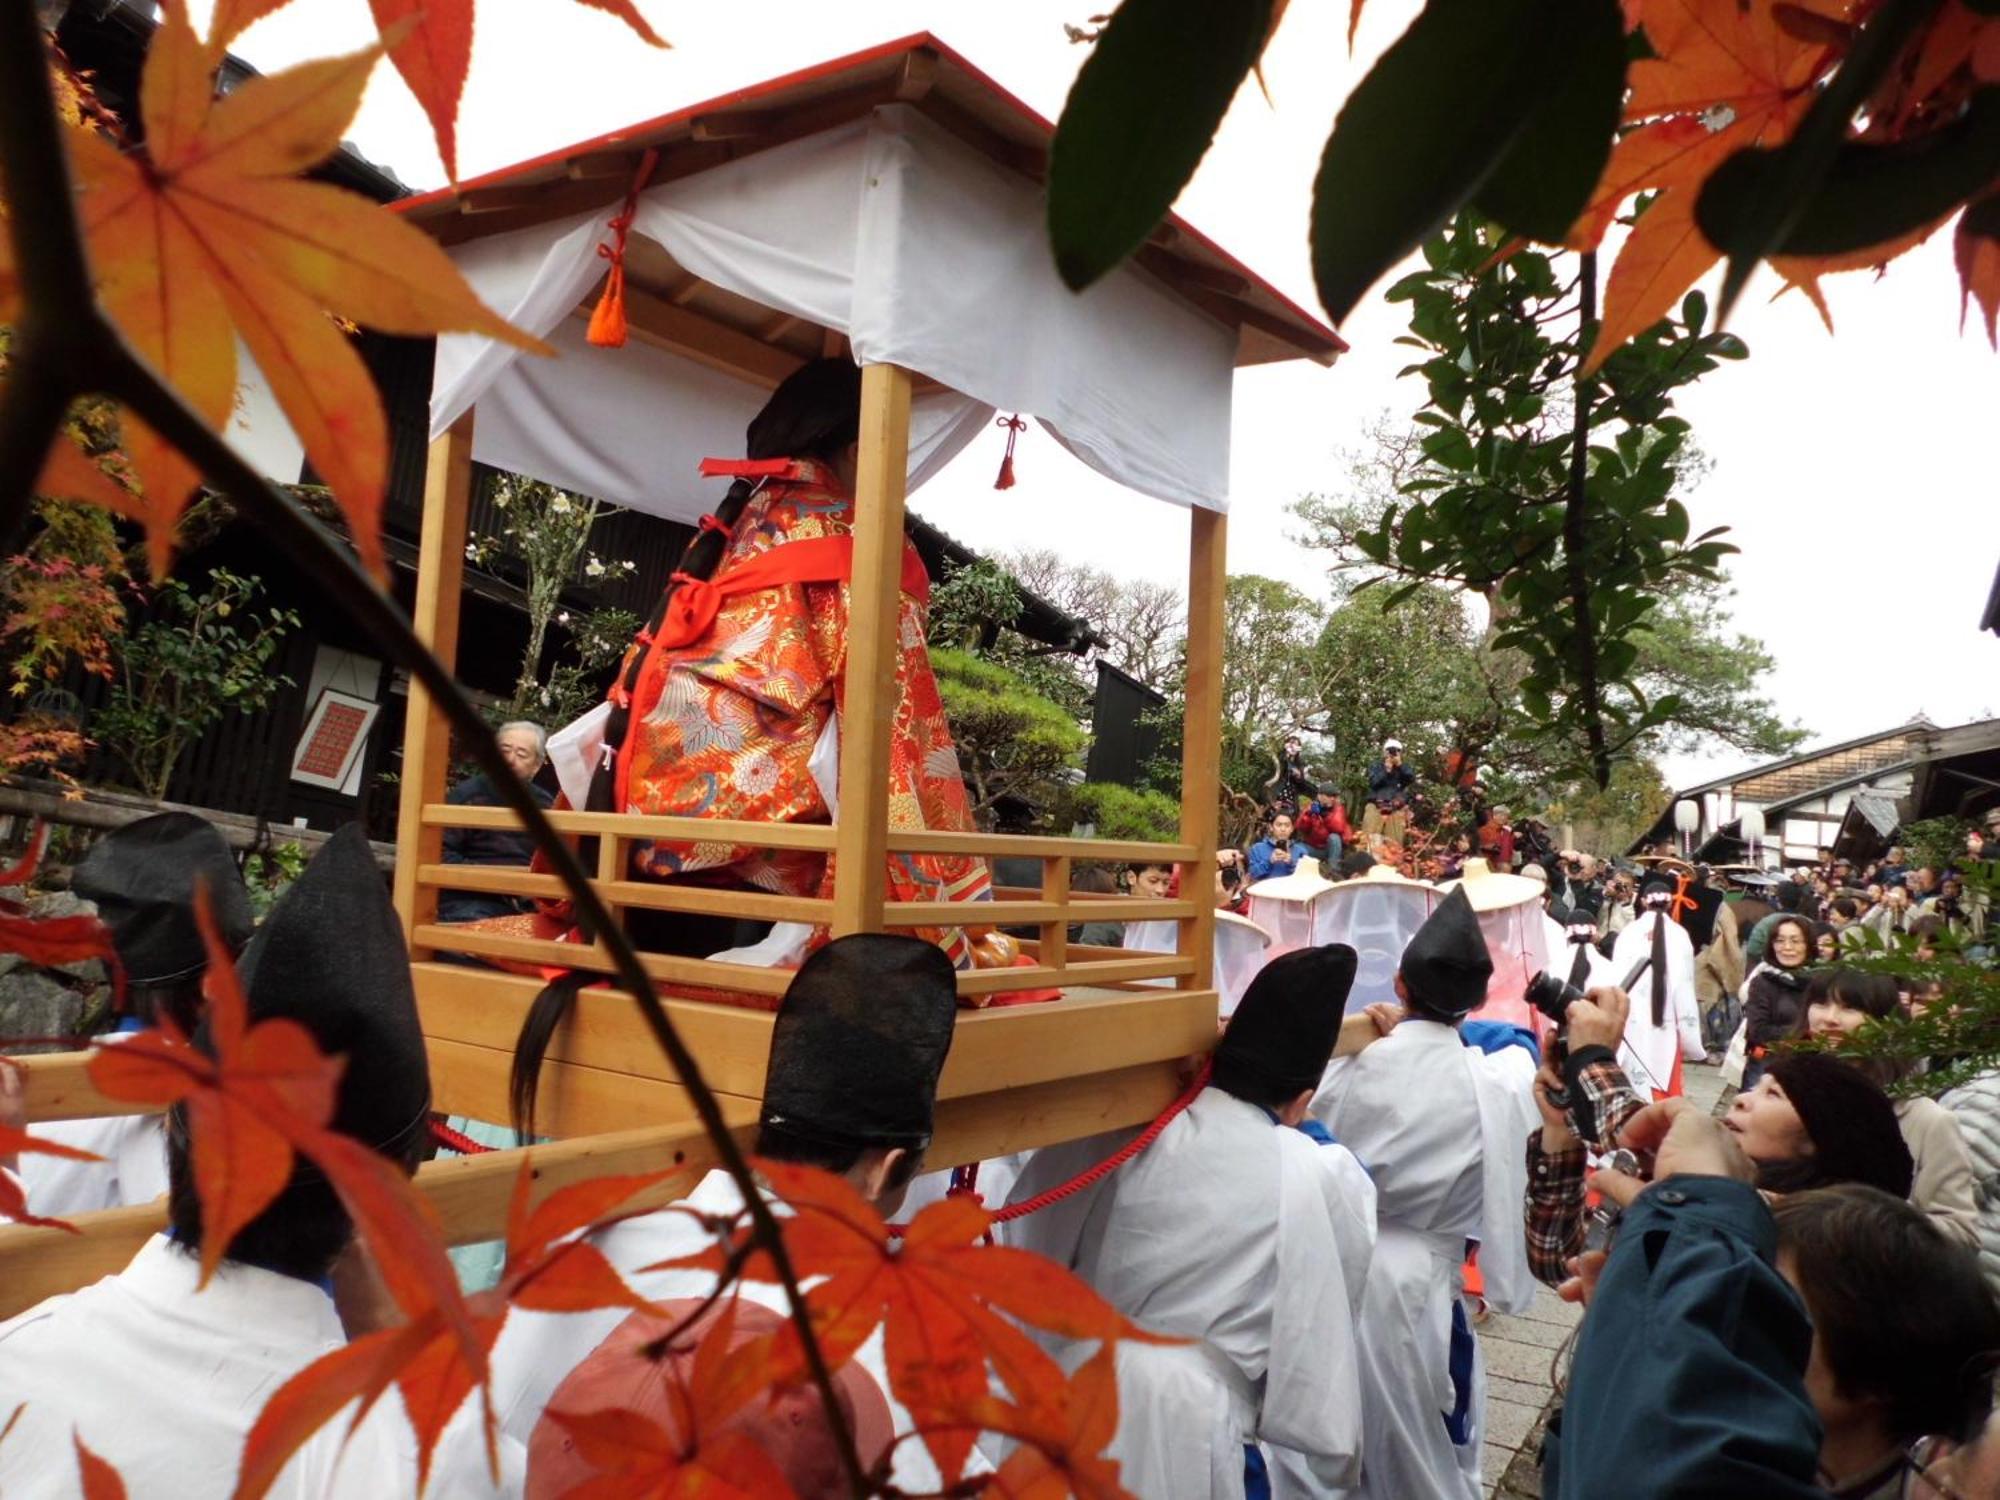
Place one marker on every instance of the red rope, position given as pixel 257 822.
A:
pixel 1112 1162
pixel 465 1145
pixel 1104 1168
pixel 455 1140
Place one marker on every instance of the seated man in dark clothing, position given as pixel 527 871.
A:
pixel 1390 783
pixel 525 747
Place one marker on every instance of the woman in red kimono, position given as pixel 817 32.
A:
pixel 729 690
pixel 723 699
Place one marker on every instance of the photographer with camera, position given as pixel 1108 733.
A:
pixel 1689 1365
pixel 1585 1091
pixel 1273 855
pixel 1232 886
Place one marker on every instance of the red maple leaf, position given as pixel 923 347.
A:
pixel 430 44
pixel 550 1267
pixel 15 1141
pixel 1063 1434
pixel 100 1480
pixel 938 1294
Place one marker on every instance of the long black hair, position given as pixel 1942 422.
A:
pixel 814 413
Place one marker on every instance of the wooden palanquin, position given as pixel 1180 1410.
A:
pixel 932 273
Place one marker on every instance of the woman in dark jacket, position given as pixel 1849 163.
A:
pixel 1774 994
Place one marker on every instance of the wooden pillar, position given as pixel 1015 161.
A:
pixel 873 602
pixel 1201 738
pixel 426 735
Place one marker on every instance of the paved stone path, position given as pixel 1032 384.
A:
pixel 1519 1352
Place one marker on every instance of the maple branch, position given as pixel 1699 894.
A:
pixel 657 1349
pixel 1574 541
pixel 72 349
pixel 60 329
pixel 313 549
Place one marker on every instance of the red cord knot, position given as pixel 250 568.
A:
pixel 1015 425
pixel 607 320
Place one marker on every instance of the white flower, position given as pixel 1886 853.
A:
pixel 560 505
pixel 563 618
pixel 593 569
pixel 472 552
pixel 757 775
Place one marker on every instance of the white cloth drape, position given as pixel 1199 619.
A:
pixel 922 250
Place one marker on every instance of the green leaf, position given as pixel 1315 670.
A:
pixel 1872 194
pixel 1143 110
pixel 1541 185
pixel 1407 288
pixel 1800 166
pixel 1449 447
pixel 1694 310
pixel 1398 164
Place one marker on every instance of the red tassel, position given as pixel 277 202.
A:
pixel 607 319
pixel 1015 425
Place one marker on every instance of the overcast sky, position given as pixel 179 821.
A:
pixel 1857 471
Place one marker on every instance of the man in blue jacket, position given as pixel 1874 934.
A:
pixel 1689 1373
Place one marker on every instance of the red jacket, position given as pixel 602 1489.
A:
pixel 1313 826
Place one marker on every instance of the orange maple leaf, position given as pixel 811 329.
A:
pixel 1939 51
pixel 53 940
pixel 266 1086
pixel 211 236
pixel 1063 1435
pixel 701 1449
pixel 937 1295
pixel 1728 76
pixel 550 1267
pixel 430 41
pixel 100 1480
pixel 1804 271
pixel 15 1141
pixel 1976 248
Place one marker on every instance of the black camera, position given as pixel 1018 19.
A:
pixel 1553 996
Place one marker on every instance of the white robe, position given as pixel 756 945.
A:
pixel 1252 1240
pixel 1652 1047
pixel 134 1168
pixel 164 1383
pixel 536 1351
pixel 1441 1128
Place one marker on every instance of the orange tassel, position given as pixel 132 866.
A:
pixel 607 319
pixel 1015 426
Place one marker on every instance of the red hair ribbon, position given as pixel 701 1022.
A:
pixel 750 468
pixel 1015 425
pixel 719 526
pixel 607 322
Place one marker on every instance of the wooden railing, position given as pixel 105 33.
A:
pixel 1051 908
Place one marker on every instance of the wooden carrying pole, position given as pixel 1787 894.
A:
pixel 426 734
pixel 1201 737
pixel 874 601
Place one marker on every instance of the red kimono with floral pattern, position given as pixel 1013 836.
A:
pixel 725 725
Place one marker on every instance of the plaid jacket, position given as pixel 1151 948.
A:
pixel 1555 1210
